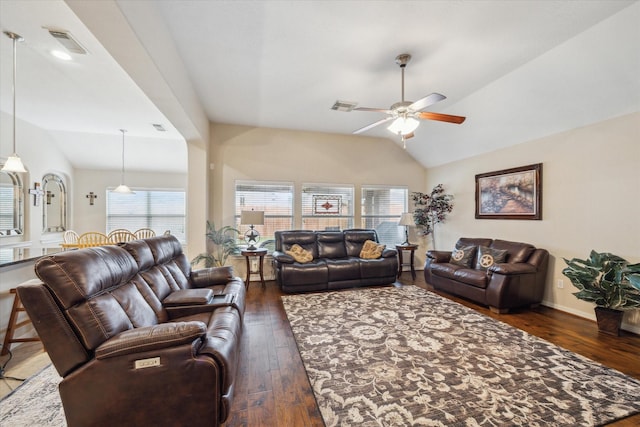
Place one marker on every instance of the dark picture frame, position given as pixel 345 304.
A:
pixel 514 193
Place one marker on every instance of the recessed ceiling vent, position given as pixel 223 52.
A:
pixel 68 42
pixel 159 127
pixel 344 106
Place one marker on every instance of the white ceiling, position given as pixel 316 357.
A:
pixel 517 70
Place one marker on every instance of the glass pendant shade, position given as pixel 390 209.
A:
pixel 13 164
pixel 403 126
pixel 123 189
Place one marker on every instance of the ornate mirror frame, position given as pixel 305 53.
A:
pixel 54 208
pixel 11 205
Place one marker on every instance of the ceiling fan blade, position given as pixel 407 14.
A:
pixel 426 101
pixel 378 110
pixel 372 125
pixel 441 117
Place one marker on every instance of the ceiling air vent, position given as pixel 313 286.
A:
pixel 68 42
pixel 159 127
pixel 344 106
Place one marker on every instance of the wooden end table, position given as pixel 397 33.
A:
pixel 412 250
pixel 247 254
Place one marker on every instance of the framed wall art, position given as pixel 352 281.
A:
pixel 326 205
pixel 510 194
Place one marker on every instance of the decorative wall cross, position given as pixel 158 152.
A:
pixel 91 196
pixel 37 193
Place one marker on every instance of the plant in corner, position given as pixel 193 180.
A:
pixel 220 243
pixel 431 209
pixel 610 282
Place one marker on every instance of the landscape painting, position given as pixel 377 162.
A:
pixel 510 194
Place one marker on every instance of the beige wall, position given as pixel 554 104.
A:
pixel 591 200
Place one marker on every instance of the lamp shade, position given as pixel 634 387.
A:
pixel 407 219
pixel 403 126
pixel 252 218
pixel 13 164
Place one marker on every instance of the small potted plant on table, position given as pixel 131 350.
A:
pixel 610 282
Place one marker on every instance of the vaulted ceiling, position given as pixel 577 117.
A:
pixel 517 70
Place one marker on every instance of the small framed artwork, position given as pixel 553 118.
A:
pixel 326 205
pixel 510 194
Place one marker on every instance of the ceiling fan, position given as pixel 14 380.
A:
pixel 404 113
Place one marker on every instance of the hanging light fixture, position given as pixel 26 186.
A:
pixel 13 163
pixel 122 188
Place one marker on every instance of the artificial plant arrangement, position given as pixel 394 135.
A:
pixel 609 281
pixel 220 243
pixel 431 209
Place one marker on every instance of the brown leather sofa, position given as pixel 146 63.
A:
pixel 516 282
pixel 139 338
pixel 336 261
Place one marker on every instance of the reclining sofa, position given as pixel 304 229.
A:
pixel 336 262
pixel 516 278
pixel 139 338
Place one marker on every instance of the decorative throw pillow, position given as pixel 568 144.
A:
pixel 488 256
pixel 371 250
pixel 463 255
pixel 300 254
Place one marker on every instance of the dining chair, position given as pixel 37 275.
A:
pixel 121 235
pixel 144 233
pixel 70 236
pixel 92 238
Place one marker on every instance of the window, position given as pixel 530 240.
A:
pixel 382 208
pixel 275 199
pixel 160 210
pixel 327 207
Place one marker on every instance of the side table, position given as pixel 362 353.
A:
pixel 412 250
pixel 247 254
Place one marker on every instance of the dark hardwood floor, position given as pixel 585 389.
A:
pixel 272 387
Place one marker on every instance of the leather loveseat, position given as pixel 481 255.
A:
pixel 139 338
pixel 516 278
pixel 336 262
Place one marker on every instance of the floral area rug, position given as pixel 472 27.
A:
pixel 35 403
pixel 406 356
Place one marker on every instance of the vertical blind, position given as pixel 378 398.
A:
pixel 160 210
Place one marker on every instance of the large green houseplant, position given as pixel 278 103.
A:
pixel 431 209
pixel 610 282
pixel 221 243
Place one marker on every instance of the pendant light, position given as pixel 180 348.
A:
pixel 13 163
pixel 122 188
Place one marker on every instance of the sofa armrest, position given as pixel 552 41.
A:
pixel 439 256
pixel 512 269
pixel 211 276
pixel 283 257
pixel 151 338
pixel 389 253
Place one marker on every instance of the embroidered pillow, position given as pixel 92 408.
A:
pixel 488 256
pixel 463 256
pixel 371 250
pixel 300 254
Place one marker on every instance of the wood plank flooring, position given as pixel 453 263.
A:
pixel 273 389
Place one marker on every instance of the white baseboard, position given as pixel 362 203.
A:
pixel 591 316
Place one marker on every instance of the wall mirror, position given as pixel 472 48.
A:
pixel 54 212
pixel 11 205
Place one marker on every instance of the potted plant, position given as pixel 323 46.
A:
pixel 610 282
pixel 220 243
pixel 431 209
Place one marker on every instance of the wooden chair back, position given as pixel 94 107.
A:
pixel 70 236
pixel 92 238
pixel 120 235
pixel 144 233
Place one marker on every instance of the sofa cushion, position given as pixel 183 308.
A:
pixel 300 254
pixel 331 244
pixel 463 256
pixel 488 256
pixel 354 240
pixel 445 269
pixel 516 251
pixel 371 250
pixel 477 278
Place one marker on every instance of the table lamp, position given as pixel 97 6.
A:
pixel 252 218
pixel 407 220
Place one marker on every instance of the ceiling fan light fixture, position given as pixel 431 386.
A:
pixel 404 125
